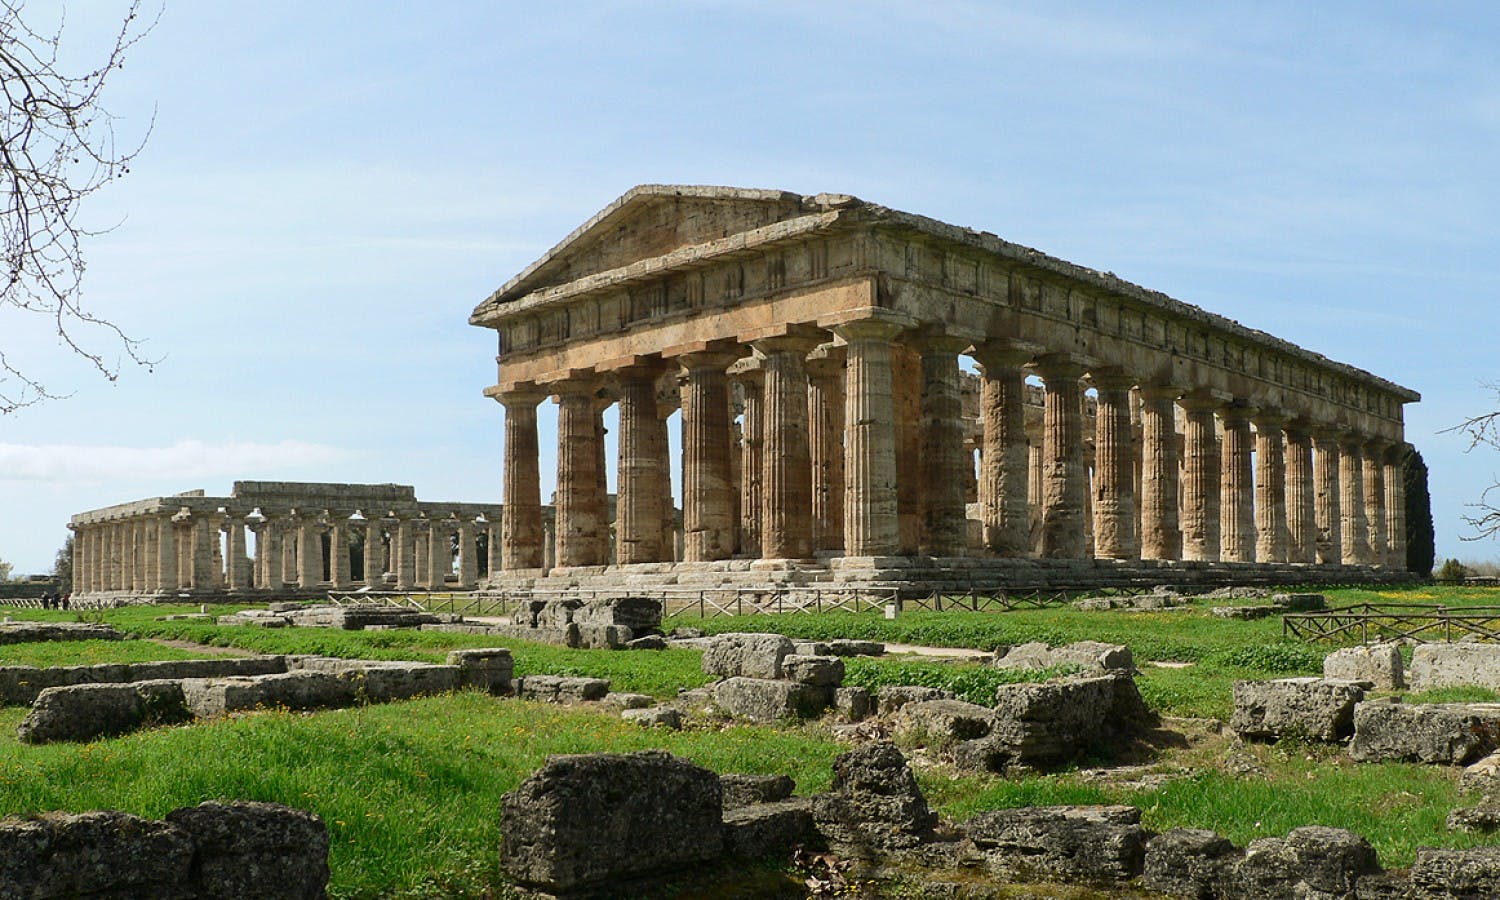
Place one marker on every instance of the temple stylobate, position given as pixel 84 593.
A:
pixel 814 347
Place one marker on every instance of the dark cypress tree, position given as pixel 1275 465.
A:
pixel 1421 543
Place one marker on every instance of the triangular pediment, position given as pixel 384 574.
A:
pixel 648 221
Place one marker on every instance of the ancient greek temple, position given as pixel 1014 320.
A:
pixel 272 538
pixel 816 349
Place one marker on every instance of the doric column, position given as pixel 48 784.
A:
pixel 374 574
pixel 1395 507
pixel 1161 535
pixel 603 546
pixel 1301 516
pixel 439 553
pixel 1114 468
pixel 579 523
pixel 1237 511
pixel 404 553
pixel 271 553
pixel 1374 472
pixel 1035 466
pixel 468 559
pixel 136 556
pixel 1064 471
pixel 786 462
pixel 871 527
pixel 752 382
pixel 664 410
pixel 201 573
pixel 1356 535
pixel 492 533
pixel 638 505
pixel 166 553
pixel 1327 505
pixel 521 517
pixel 911 480
pixel 945 521
pixel 238 562
pixel 1270 489
pixel 708 526
pixel 825 431
pixel 309 552
pixel 339 574
pixel 1200 479
pixel 1004 463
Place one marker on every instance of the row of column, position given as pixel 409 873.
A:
pixel 184 551
pixel 822 465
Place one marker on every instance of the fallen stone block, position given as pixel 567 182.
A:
pixel 1300 602
pixel 654 717
pixel 745 790
pixel 649 642
pixel 590 821
pixel 210 697
pixel 93 854
pixel 624 700
pixel 1318 709
pixel 1472 874
pixel 603 637
pixel 1455 665
pixel 845 647
pixel 389 682
pixel 827 671
pixel 811 648
pixel 747 655
pixel 22 684
pixel 641 615
pixel 944 721
pixel 893 697
pixel 1042 725
pixel 853 703
pixel 1098 845
pixel 1482 776
pixel 561 688
pixel 1450 734
pixel 556 613
pixel 763 700
pixel 1483 818
pixel 1187 862
pixel 32 632
pixel 488 669
pixel 1312 861
pixel 1379 664
pixel 1258 611
pixel 88 711
pixel 875 805
pixel 1088 655
pixel 251 850
pixel 767 830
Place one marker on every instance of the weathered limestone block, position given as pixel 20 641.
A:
pixel 251 850
pixel 654 717
pixel 623 700
pixel 811 648
pixel 93 854
pixel 745 790
pixel 649 642
pixel 1379 664
pixel 87 711
pixel 827 671
pixel 642 615
pixel 29 632
pixel 594 820
pixel 1300 602
pixel 556 613
pixel 875 804
pixel 561 688
pixel 1048 724
pixel 944 721
pixel 765 830
pixel 209 697
pixel 1187 862
pixel 1258 611
pixel 853 703
pixel 1451 874
pixel 565 636
pixel 1089 655
pixel 1455 665
pixel 892 697
pixel 845 647
pixel 1312 861
pixel 22 684
pixel 488 669
pixel 763 700
pixel 1315 708
pixel 603 637
pixel 1483 818
pixel 747 655
pixel 1441 733
pixel 1482 776
pixel 1092 844
pixel 389 682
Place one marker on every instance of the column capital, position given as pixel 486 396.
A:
pixel 1110 379
pixel 872 329
pixel 1002 355
pixel 699 360
pixel 800 344
pixel 1238 411
pixel 1159 392
pixel 1059 365
pixel 583 384
pixel 1204 400
pixel 826 362
pixel 528 396
pixel 1270 419
pixel 938 340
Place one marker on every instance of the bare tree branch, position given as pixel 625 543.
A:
pixel 1482 430
pixel 57 147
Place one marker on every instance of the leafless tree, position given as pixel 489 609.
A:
pixel 59 148
pixel 1483 430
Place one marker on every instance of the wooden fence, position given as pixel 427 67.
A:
pixel 1374 622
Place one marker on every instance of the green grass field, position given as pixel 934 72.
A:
pixel 89 653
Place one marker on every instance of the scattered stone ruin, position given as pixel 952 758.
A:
pixel 813 345
pixel 304 538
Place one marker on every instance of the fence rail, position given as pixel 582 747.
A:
pixel 1367 622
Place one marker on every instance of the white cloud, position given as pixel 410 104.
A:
pixel 80 464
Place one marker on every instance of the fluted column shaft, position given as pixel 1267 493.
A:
pixel 1004 463
pixel 825 431
pixel 707 523
pixel 1270 490
pixel 404 553
pixel 752 456
pixel 1161 534
pixel 944 509
pixel 1114 469
pixel 270 554
pixel 1328 503
pixel 1064 472
pixel 238 563
pixel 1374 472
pixel 871 526
pixel 166 554
pixel 309 553
pixel 1356 534
pixel 786 530
pixel 468 559
pixel 439 554
pixel 521 516
pixel 1237 513
pixel 1301 517
pixel 638 507
pixel 1395 507
pixel 579 522
pixel 339 574
pixel 493 547
pixel 1200 481
pixel 374 561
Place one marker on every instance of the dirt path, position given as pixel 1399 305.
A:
pixel 194 647
pixel 940 652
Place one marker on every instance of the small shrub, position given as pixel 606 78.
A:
pixel 1272 659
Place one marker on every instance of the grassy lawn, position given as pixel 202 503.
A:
pixel 88 653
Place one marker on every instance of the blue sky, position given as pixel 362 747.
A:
pixel 330 188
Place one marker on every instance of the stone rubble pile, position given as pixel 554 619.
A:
pixel 1280 603
pixel 614 623
pixel 349 618
pixel 1089 656
pixel 20 685
pixel 765 680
